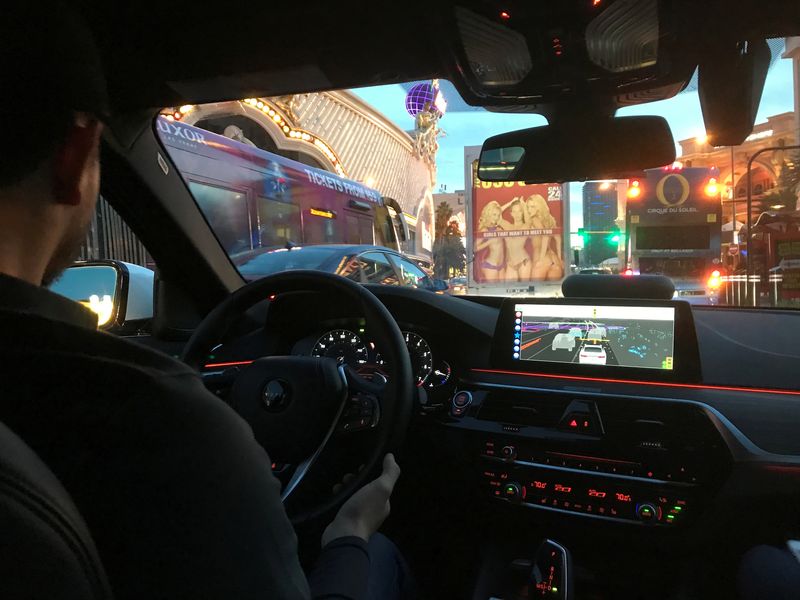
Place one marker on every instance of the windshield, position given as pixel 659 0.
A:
pixel 395 166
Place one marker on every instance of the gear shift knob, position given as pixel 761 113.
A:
pixel 551 573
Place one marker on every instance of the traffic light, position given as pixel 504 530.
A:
pixel 614 237
pixel 582 234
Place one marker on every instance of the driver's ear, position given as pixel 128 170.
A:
pixel 76 159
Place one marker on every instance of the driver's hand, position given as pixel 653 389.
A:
pixel 367 509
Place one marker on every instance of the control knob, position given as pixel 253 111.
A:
pixel 647 512
pixel 513 491
pixel 509 452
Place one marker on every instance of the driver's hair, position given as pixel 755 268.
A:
pixel 49 71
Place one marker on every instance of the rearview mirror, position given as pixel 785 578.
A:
pixel 603 149
pixel 119 293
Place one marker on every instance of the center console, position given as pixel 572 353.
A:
pixel 574 425
pixel 639 461
pixel 604 458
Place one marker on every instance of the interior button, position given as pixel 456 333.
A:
pixel 460 403
pixel 509 452
pixel 462 399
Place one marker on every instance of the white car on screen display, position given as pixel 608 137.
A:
pixel 563 341
pixel 596 333
pixel 592 354
pixel 554 325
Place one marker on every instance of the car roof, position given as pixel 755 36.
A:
pixel 348 248
pixel 155 58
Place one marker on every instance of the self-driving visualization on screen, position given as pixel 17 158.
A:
pixel 621 336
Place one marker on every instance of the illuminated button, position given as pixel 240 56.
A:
pixel 513 491
pixel 646 512
pixel 581 422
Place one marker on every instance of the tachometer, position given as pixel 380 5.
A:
pixel 342 344
pixel 421 356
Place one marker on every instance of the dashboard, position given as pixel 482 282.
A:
pixel 626 448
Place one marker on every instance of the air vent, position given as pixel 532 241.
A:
pixel 497 55
pixel 523 409
pixel 624 37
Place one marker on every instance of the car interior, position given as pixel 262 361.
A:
pixel 520 478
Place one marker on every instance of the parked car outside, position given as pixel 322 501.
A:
pixel 362 263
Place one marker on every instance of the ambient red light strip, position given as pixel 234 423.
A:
pixel 237 363
pixel 667 384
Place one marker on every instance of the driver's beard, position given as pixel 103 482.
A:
pixel 67 252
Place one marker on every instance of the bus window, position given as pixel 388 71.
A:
pixel 321 229
pixel 366 232
pixel 279 223
pixel 351 222
pixel 376 268
pixel 227 210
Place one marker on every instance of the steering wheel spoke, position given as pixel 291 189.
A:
pixel 220 383
pixel 362 411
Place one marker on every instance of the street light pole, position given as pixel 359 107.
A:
pixel 733 197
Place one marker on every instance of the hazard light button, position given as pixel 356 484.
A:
pixel 581 423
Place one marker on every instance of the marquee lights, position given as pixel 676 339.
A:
pixel 296 134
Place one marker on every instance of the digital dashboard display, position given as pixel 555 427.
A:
pixel 587 334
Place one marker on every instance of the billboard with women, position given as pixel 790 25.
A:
pixel 517 232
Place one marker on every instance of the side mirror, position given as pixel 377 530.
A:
pixel 121 294
pixel 439 285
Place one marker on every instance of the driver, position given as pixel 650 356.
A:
pixel 179 497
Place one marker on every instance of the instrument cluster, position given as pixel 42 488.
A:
pixel 353 349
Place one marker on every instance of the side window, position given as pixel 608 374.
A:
pixel 97 286
pixel 411 275
pixel 376 268
pixel 109 238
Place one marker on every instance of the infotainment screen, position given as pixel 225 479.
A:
pixel 594 334
pixel 620 338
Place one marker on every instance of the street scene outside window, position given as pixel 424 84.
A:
pixel 276 178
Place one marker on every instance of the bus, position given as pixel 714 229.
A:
pixel 254 199
pixel 774 249
pixel 673 220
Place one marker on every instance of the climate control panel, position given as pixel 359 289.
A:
pixel 604 457
pixel 610 498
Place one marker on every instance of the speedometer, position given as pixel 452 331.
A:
pixel 343 345
pixel 421 356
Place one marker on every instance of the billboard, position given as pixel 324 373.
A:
pixel 682 195
pixel 517 231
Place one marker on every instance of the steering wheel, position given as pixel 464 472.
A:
pixel 296 404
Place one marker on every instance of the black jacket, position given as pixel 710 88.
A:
pixel 179 497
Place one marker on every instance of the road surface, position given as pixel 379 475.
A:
pixel 538 345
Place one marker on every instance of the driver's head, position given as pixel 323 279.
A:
pixel 52 99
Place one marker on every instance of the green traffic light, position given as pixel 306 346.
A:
pixel 614 238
